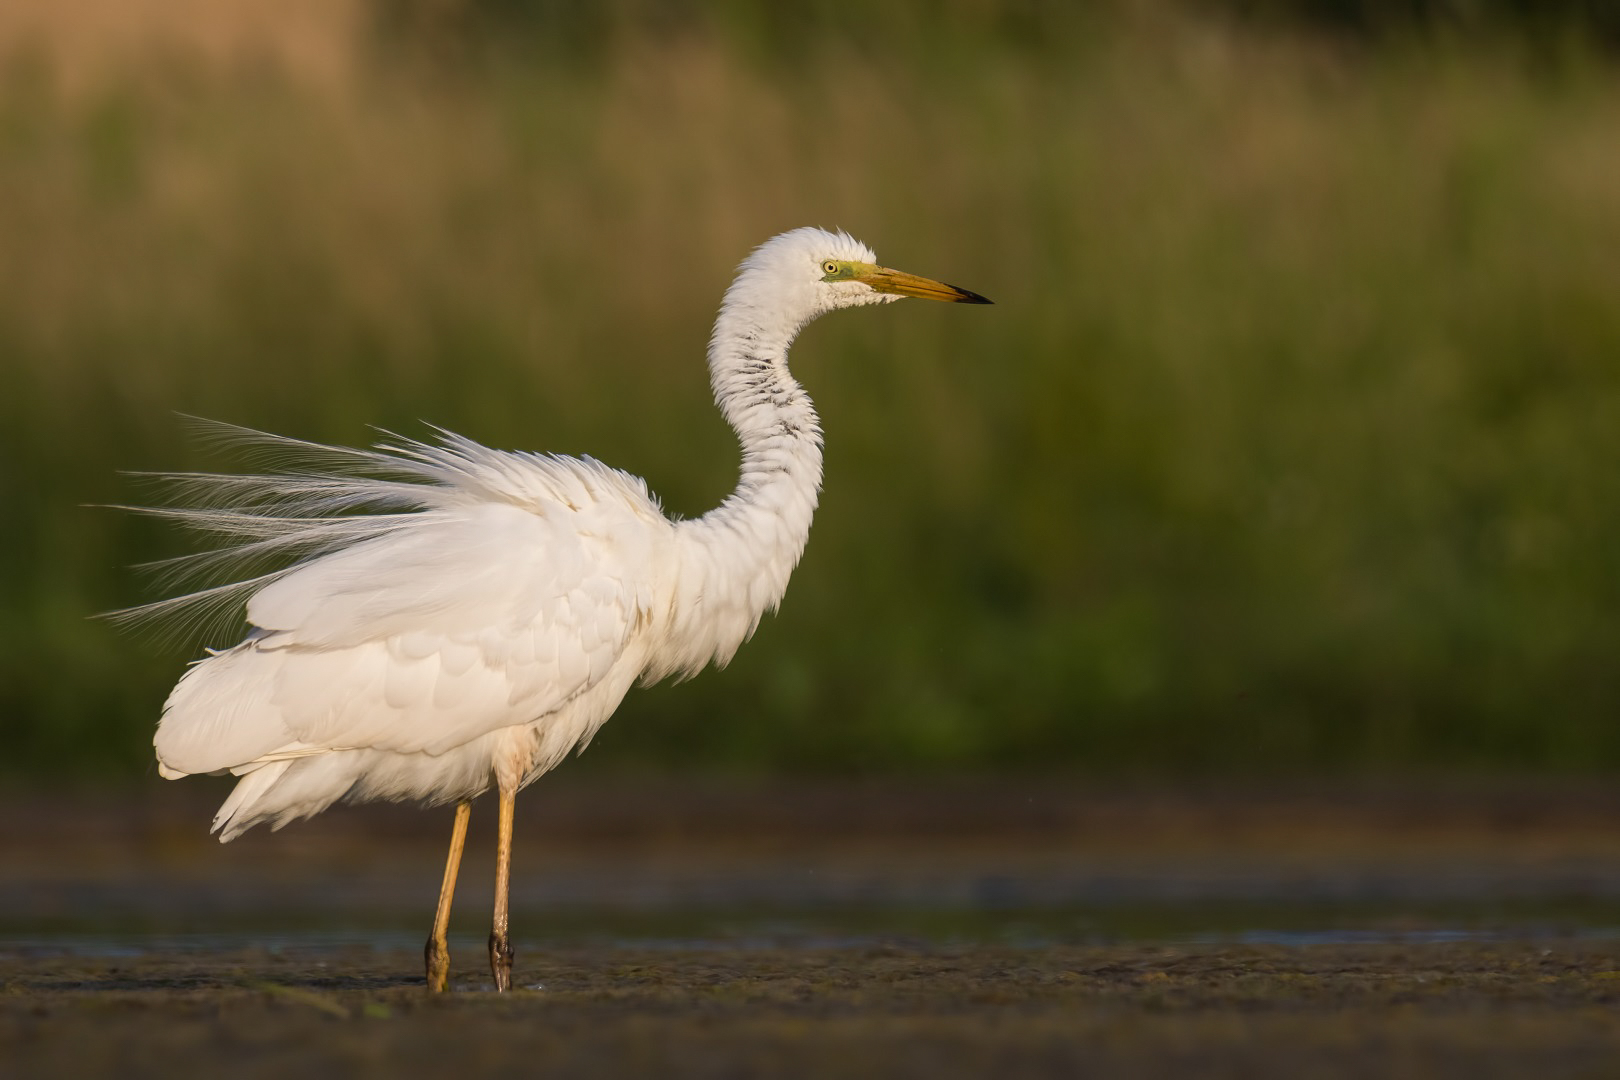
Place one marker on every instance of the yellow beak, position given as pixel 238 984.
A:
pixel 882 279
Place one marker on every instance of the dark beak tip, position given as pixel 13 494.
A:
pixel 969 297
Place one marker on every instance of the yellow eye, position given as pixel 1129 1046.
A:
pixel 830 267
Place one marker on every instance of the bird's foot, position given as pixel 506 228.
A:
pixel 437 955
pixel 500 961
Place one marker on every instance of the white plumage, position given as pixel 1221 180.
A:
pixel 493 633
pixel 456 618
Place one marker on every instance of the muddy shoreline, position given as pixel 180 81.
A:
pixel 1387 1011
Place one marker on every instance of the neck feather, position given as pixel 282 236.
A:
pixel 736 559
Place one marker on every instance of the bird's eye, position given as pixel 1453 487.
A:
pixel 830 267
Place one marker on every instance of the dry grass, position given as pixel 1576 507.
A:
pixel 91 42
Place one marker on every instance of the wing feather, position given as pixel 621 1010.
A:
pixel 472 618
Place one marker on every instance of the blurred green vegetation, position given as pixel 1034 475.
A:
pixel 1291 444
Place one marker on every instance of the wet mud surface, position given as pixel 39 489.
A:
pixel 945 930
pixel 1433 1010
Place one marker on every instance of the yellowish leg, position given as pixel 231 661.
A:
pixel 500 942
pixel 438 946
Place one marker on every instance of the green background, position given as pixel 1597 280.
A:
pixel 1290 446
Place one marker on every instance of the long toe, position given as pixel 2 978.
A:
pixel 438 966
pixel 500 961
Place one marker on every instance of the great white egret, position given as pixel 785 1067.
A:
pixel 457 617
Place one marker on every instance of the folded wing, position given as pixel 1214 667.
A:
pixel 476 618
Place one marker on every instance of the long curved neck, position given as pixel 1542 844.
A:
pixel 736 559
pixel 775 422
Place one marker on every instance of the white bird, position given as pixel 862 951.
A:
pixel 457 618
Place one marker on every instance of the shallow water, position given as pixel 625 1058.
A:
pixel 826 867
pixel 779 935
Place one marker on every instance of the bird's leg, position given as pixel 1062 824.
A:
pixel 438 947
pixel 500 943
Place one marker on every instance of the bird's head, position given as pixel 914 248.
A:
pixel 807 272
